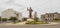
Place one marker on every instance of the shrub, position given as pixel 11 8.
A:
pixel 56 19
pixel 33 22
pixel 36 19
pixel 0 18
pixel 4 19
pixel 30 22
pixel 13 19
pixel 24 19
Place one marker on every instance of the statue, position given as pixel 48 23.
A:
pixel 30 12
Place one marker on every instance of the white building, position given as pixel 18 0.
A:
pixel 11 13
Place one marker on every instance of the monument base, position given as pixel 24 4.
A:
pixel 30 20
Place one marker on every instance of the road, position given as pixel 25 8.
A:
pixel 30 26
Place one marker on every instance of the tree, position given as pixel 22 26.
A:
pixel 56 19
pixel 0 18
pixel 4 19
pixel 24 19
pixel 36 19
pixel 13 19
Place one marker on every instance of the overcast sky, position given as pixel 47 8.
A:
pixel 41 6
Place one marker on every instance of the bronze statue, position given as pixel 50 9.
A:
pixel 30 12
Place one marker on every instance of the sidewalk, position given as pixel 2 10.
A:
pixel 21 23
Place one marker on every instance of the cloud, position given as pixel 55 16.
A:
pixel 41 6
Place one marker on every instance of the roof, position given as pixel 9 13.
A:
pixel 10 10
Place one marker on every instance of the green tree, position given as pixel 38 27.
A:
pixel 4 19
pixel 13 19
pixel 36 19
pixel 24 19
pixel 0 18
pixel 56 19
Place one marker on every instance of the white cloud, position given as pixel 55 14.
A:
pixel 41 6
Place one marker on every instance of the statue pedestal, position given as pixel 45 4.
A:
pixel 30 20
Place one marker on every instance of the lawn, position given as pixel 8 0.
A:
pixel 33 22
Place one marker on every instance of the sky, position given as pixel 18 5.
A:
pixel 40 6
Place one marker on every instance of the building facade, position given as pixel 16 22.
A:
pixel 11 13
pixel 35 15
pixel 50 16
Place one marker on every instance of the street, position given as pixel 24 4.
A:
pixel 30 26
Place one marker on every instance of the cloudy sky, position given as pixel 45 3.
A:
pixel 41 6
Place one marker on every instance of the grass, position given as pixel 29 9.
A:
pixel 33 22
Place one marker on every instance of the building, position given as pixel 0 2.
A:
pixel 11 13
pixel 35 15
pixel 50 16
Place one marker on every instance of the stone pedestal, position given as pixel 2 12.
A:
pixel 30 20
